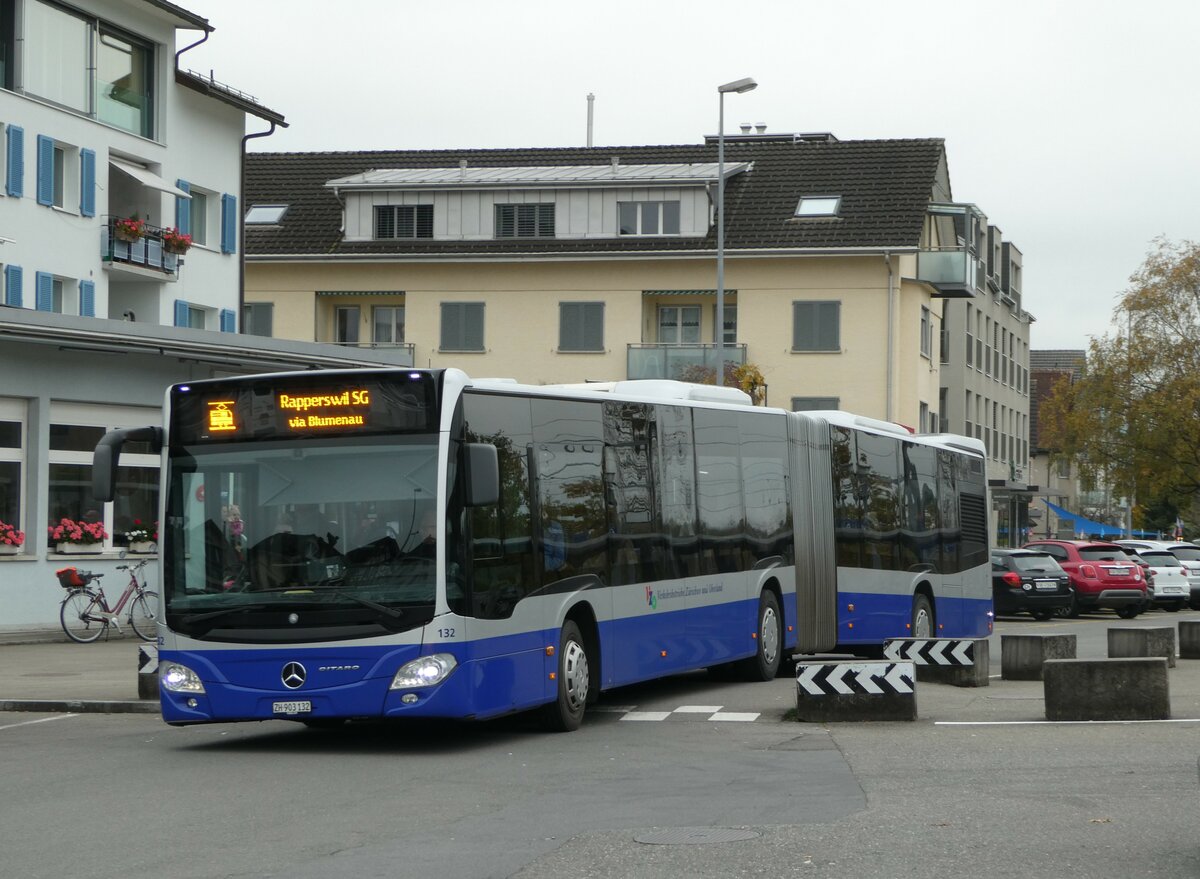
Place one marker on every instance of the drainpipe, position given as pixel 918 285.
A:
pixel 192 46
pixel 891 335
pixel 241 226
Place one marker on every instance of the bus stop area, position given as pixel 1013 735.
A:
pixel 44 672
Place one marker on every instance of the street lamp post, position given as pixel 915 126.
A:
pixel 738 86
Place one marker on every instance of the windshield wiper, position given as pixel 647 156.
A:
pixel 191 620
pixel 389 617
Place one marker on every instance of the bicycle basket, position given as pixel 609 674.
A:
pixel 69 578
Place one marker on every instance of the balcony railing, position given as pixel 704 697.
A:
pixel 408 349
pixel 679 362
pixel 146 252
pixel 953 271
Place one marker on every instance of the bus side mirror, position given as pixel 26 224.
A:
pixel 483 475
pixel 107 457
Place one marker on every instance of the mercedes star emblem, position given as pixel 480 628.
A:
pixel 293 675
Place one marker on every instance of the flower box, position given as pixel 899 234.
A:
pixel 141 546
pixel 128 230
pixel 5 549
pixel 79 548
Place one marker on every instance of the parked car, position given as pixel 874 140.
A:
pixel 1028 580
pixel 1187 553
pixel 1167 583
pixel 1101 573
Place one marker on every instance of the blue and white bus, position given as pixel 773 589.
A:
pixel 414 543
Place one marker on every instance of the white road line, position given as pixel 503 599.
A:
pixel 743 716
pixel 1060 722
pixel 647 715
pixel 698 709
pixel 39 720
pixel 612 709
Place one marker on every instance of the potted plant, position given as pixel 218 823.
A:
pixel 142 537
pixel 71 536
pixel 11 539
pixel 174 241
pixel 128 228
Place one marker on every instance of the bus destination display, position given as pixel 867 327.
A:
pixel 214 412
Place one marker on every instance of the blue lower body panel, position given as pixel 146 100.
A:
pixel 876 618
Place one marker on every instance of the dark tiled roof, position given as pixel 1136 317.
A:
pixel 885 187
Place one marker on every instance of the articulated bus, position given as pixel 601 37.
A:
pixel 401 543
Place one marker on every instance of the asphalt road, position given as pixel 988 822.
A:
pixel 977 787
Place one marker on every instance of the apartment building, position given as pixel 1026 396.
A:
pixel 1058 476
pixel 111 153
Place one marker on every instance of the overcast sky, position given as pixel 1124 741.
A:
pixel 1072 125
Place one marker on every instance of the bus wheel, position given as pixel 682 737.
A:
pixel 922 617
pixel 764 665
pixel 565 713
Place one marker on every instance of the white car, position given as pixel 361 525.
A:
pixel 1169 586
pixel 1187 553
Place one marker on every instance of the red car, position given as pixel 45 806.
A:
pixel 1102 575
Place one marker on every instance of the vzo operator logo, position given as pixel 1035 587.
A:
pixel 651 598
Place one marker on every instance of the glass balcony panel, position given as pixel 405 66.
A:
pixel 679 362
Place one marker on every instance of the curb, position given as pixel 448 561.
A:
pixel 81 706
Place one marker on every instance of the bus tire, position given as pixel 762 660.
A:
pixel 922 617
pixel 565 713
pixel 764 664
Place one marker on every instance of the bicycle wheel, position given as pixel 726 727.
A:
pixel 143 612
pixel 79 616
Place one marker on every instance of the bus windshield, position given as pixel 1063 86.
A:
pixel 311 540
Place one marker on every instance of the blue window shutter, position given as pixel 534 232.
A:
pixel 44 291
pixel 229 221
pixel 12 286
pixel 45 170
pixel 183 209
pixel 228 323
pixel 87 183
pixel 181 313
pixel 16 161
pixel 87 298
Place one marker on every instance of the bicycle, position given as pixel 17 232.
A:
pixel 86 615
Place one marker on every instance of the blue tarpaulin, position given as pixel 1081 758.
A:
pixel 1091 528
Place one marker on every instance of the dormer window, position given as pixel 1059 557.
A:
pixel 648 217
pixel 818 206
pixel 525 220
pixel 404 221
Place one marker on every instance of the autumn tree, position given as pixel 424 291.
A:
pixel 1133 416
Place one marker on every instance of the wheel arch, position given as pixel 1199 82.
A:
pixel 583 615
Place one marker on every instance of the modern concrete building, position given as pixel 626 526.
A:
pixel 101 131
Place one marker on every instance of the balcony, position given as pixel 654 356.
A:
pixel 954 272
pixel 679 362
pixel 143 258
pixel 407 350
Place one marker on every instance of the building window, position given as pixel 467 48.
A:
pixel 816 326
pixel 818 206
pixel 729 324
pixel 809 404
pixel 404 221
pixel 116 88
pixel 265 214
pixel 258 318
pixel 462 326
pixel 345 324
pixel 581 326
pixel 926 333
pixel 525 221
pixel 387 325
pixel 12 466
pixel 1063 470
pixel 197 209
pixel 679 325
pixel 648 217
pixel 74 431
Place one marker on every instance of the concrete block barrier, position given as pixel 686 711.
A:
pixel 1189 639
pixel 855 691
pixel 1133 688
pixel 962 662
pixel 147 671
pixel 1154 641
pixel 1022 657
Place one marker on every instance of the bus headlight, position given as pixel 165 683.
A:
pixel 180 679
pixel 424 672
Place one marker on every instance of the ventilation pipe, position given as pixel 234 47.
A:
pixel 591 105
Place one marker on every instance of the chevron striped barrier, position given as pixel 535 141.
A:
pixel 147 671
pixel 963 662
pixel 855 691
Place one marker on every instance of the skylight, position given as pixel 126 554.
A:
pixel 265 214
pixel 818 206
